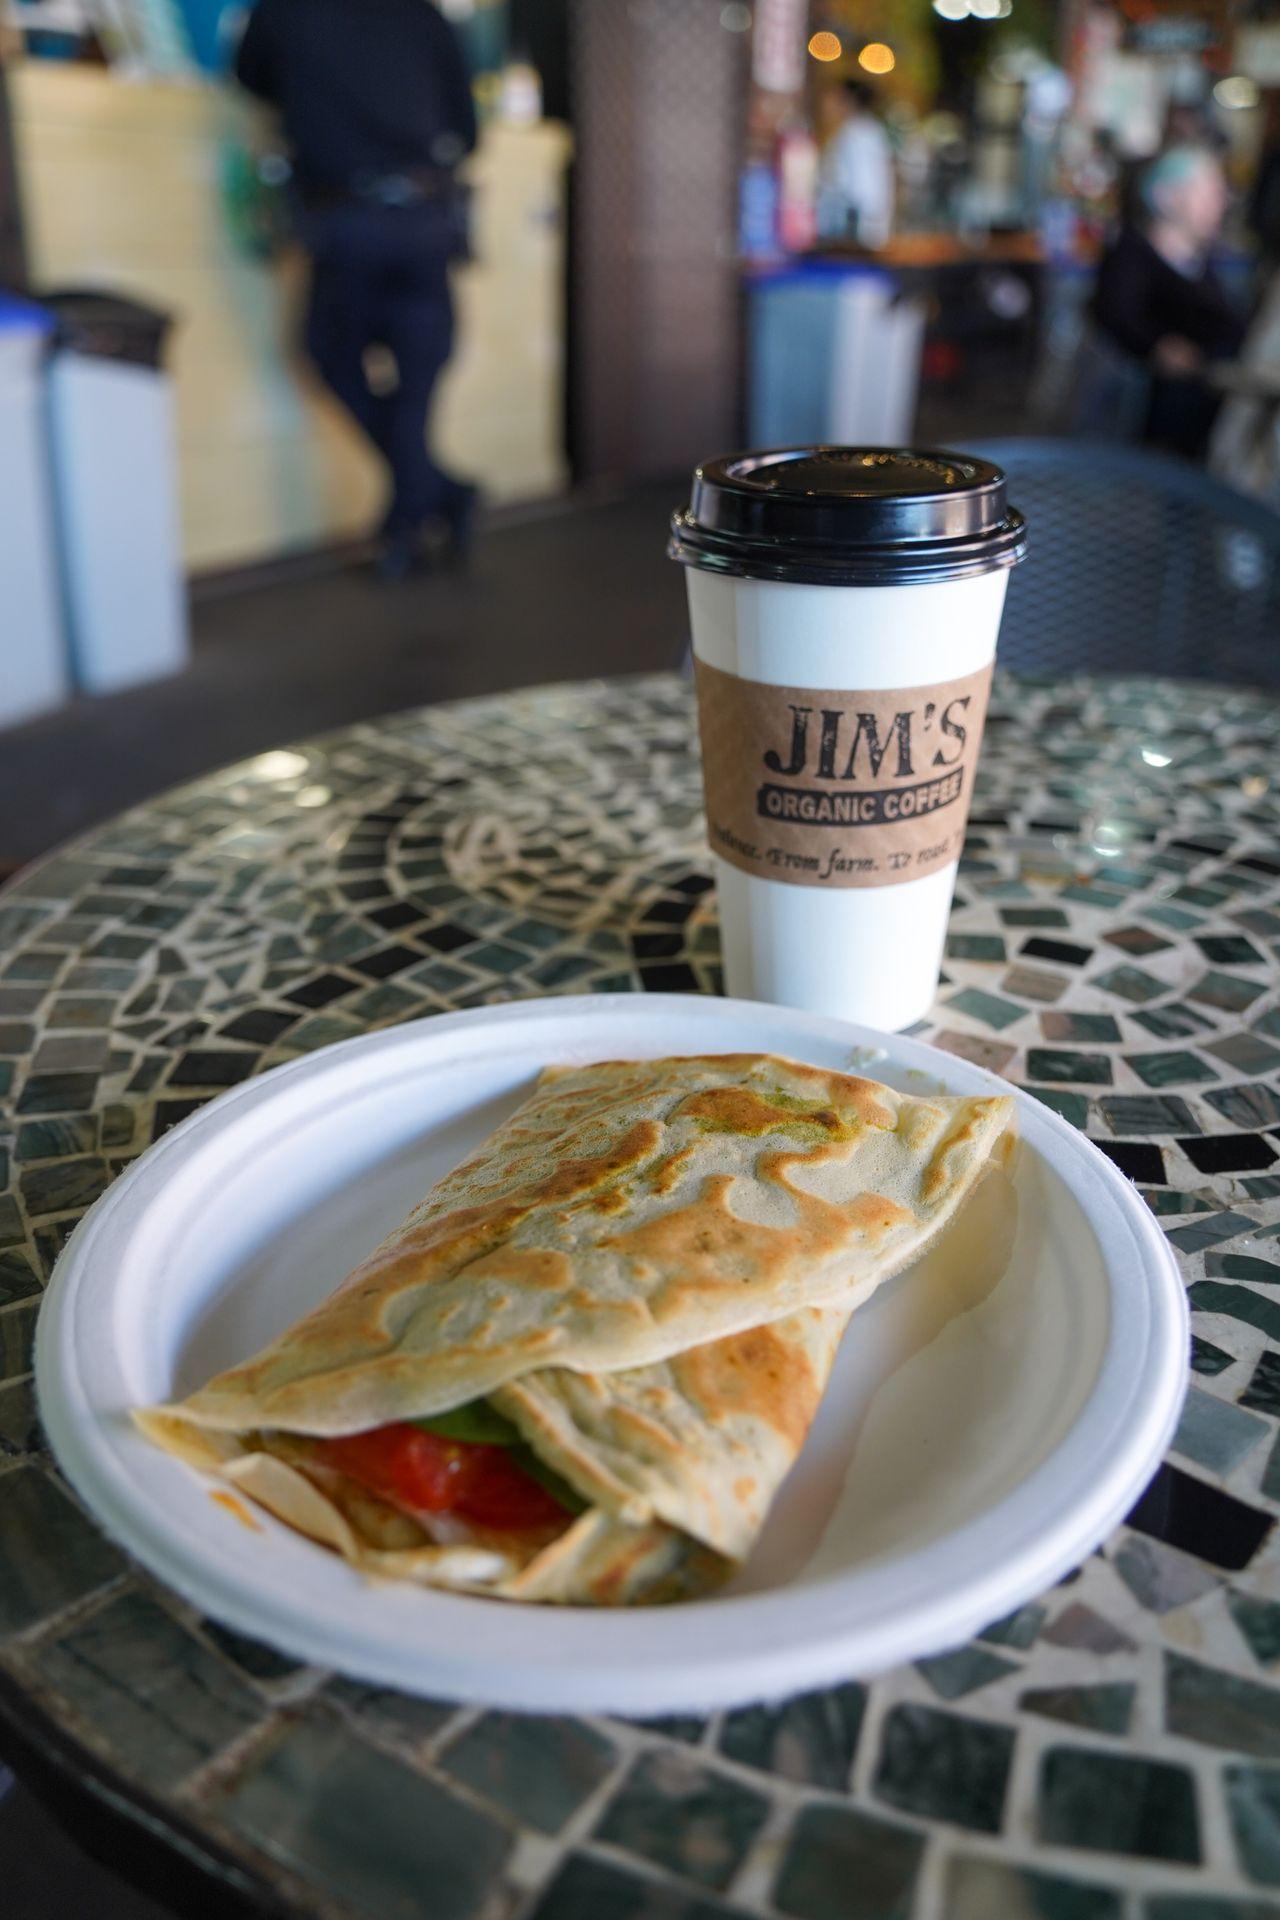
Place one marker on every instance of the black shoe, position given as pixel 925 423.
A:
pixel 459 516
pixel 400 555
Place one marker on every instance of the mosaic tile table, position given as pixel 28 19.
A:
pixel 1111 1750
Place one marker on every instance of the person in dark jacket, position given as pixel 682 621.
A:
pixel 376 107
pixel 1160 300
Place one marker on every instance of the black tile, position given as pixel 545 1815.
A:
pixel 385 963
pixel 1200 1519
pixel 1229 1152
pixel 669 912
pixel 669 979
pixel 1118 1803
pixel 58 1093
pixel 656 946
pixel 402 914
pixel 321 990
pixel 585 1888
pixel 259 1026
pixel 169 1112
pixel 944 1766
pixel 1064 951
pixel 447 938
pixel 1137 1160
pixel 212 1067
pixel 1229 950
pixel 1258 863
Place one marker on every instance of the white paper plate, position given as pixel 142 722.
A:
pixel 992 1414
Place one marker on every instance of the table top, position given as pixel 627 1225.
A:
pixel 1106 1753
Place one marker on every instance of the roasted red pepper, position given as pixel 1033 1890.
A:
pixel 426 1473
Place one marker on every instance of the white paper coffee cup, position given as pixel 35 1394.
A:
pixel 845 604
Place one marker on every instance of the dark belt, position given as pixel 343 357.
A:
pixel 407 187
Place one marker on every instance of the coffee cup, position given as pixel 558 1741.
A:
pixel 844 604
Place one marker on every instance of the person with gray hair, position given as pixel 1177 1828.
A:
pixel 1159 299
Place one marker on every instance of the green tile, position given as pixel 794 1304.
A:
pixel 17 1334
pixel 1080 1029
pixel 251 1656
pixel 361 1827
pixel 159 1700
pixel 1072 1106
pixel 1101 1709
pixel 1167 1201
pixel 382 1708
pixel 1147 1113
pixel 17 1277
pixel 1245 1052
pixel 1117 1803
pixel 952 1675
pixel 990 1890
pixel 1061 1064
pixel 1172 1069
pixel 1239 1303
pixel 1214 1433
pixel 842 1864
pixel 1253 1807
pixel 1246 1107
pixel 12 1231
pixel 1173 1022
pixel 1209 1231
pixel 56 1139
pixel 1033 917
pixel 65 1186
pixel 1173 916
pixel 976 946
pixel 810 1738
pixel 1259 1622
pixel 1134 984
pixel 52 1554
pixel 989 1008
pixel 944 1766
pixel 1209 1360
pixel 1206 1906
pixel 1016 1629
pixel 1085 896
pixel 1221 1710
pixel 684 1817
pixel 538 1771
pixel 1225 990
pixel 586 1888
pixel 19 1422
pixel 1242 1266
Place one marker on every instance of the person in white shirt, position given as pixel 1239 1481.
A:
pixel 857 171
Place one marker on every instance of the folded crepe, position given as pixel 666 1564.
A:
pixel 640 1282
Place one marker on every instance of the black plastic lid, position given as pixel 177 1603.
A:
pixel 849 516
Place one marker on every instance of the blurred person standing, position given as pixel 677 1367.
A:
pixel 1159 299
pixel 375 103
pixel 857 170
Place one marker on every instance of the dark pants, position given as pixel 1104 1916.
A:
pixel 380 277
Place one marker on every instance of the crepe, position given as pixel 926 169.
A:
pixel 647 1269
